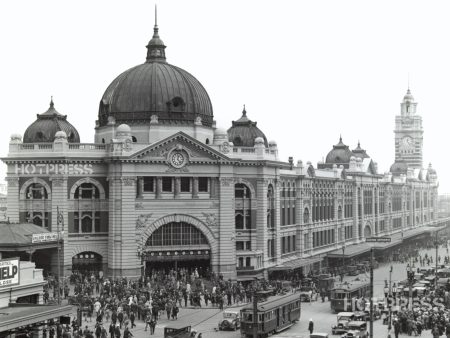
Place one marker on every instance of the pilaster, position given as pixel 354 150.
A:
pixel 13 199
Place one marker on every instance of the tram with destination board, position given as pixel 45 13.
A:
pixel 275 314
pixel 343 297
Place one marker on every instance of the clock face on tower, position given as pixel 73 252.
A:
pixel 407 143
pixel 177 159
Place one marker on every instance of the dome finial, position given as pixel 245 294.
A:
pixel 52 105
pixel 244 112
pixel 359 145
pixel 155 48
pixel 340 138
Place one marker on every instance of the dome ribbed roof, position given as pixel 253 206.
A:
pixel 340 154
pixel 243 132
pixel 47 125
pixel 155 88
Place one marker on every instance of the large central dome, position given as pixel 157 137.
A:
pixel 155 88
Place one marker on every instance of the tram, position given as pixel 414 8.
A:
pixel 343 296
pixel 274 315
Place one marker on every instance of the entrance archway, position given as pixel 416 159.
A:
pixel 367 231
pixel 177 246
pixel 87 262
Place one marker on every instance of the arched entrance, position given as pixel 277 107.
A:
pixel 87 262
pixel 177 246
pixel 367 231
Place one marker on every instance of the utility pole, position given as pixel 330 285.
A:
pixel 371 292
pixel 436 243
pixel 390 302
pixel 255 313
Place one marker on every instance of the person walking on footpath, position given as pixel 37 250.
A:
pixel 311 326
pixel 152 326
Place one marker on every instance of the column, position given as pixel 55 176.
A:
pixel 195 188
pixel 140 186
pixel 13 199
pixel 177 186
pixel 158 187
pixel 225 262
pixel 278 210
pixel 261 217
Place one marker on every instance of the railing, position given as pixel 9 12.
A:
pixel 72 146
pixel 87 146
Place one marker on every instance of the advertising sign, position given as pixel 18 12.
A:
pixel 9 272
pixel 44 237
pixel 378 240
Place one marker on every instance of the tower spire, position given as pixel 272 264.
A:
pixel 156 47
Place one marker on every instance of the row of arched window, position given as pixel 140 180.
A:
pixel 38 191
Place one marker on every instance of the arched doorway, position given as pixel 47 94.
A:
pixel 367 231
pixel 87 262
pixel 177 246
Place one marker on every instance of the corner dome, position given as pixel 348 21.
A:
pixel 244 131
pixel 155 88
pixel 408 96
pixel 359 152
pixel 399 167
pixel 47 125
pixel 339 154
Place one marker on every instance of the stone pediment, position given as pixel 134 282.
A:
pixel 178 150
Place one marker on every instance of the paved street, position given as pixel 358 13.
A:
pixel 205 320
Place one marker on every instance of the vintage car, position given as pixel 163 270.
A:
pixel 177 331
pixel 343 318
pixel 230 320
pixel 356 329
pixel 376 311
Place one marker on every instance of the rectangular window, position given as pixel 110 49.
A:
pixel 248 261
pixel 185 184
pixel 239 245
pixel 97 221
pixel 149 184
pixel 203 184
pixel 248 245
pixel 167 184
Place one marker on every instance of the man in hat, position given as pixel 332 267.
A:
pixel 311 326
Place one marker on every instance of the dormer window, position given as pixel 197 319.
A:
pixel 176 105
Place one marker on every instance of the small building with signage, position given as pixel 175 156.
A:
pixel 29 242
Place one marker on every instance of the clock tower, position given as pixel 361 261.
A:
pixel 409 133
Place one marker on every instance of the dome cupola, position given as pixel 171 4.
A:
pixel 244 131
pixel 340 154
pixel 399 167
pixel 47 125
pixel 359 152
pixel 155 90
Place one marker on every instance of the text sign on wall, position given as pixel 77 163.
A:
pixel 44 237
pixel 378 240
pixel 9 272
pixel 57 168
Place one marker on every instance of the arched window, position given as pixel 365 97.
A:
pixel 242 191
pixel 177 233
pixel 103 140
pixel 86 191
pixel 237 141
pixel 207 141
pixel 134 139
pixel 36 191
pixel 339 212
pixel 306 216
pixel 38 218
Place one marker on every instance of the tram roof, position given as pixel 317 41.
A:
pixel 353 285
pixel 274 302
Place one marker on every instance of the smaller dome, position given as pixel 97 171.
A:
pixel 220 132
pixel 399 167
pixel 47 125
pixel 123 128
pixel 259 140
pixel 244 132
pixel 61 134
pixel 339 154
pixel 408 96
pixel 272 143
pixel 16 138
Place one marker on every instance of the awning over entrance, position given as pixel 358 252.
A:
pixel 350 251
pixel 14 317
pixel 17 237
pixel 296 263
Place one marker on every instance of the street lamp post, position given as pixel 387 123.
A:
pixel 436 243
pixel 343 262
pixel 390 301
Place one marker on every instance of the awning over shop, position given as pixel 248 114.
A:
pixel 14 317
pixel 296 263
pixel 18 237
pixel 350 251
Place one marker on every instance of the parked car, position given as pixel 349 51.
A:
pixel 230 320
pixel 343 318
pixel 356 329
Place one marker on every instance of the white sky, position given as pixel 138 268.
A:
pixel 306 70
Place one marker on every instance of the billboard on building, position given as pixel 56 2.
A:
pixel 9 272
pixel 44 237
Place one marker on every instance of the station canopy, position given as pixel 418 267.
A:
pixel 18 237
